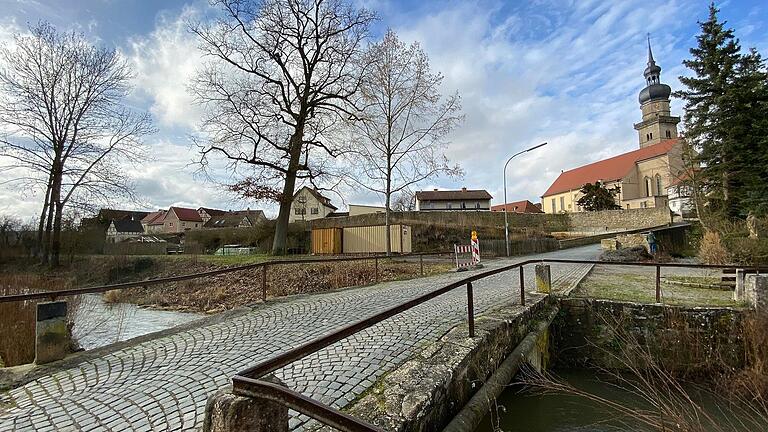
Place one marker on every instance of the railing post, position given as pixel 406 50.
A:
pixel 658 283
pixel 264 282
pixel 522 286
pixel 421 265
pixel 376 268
pixel 470 310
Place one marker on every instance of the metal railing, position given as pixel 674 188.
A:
pixel 252 382
pixel 264 265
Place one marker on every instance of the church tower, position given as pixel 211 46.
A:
pixel 658 124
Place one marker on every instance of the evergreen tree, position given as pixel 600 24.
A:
pixel 596 197
pixel 725 119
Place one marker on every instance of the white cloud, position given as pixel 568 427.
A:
pixel 165 61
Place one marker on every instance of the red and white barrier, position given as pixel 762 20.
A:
pixel 472 250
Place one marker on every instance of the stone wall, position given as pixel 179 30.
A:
pixel 588 222
pixel 684 339
pixel 619 220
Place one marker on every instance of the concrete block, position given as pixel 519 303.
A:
pixel 610 244
pixel 543 278
pixel 738 292
pixel 51 336
pixel 756 290
pixel 227 412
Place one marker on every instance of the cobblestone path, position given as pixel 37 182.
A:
pixel 163 383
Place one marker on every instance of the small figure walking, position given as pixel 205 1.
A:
pixel 651 238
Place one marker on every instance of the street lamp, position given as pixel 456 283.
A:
pixel 506 224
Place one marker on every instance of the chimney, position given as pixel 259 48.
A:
pixel 463 189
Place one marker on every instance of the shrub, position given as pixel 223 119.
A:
pixel 712 250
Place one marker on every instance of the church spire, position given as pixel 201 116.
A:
pixel 653 71
pixel 658 123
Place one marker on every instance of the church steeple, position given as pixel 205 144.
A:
pixel 658 124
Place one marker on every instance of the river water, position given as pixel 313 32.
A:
pixel 98 323
pixel 523 410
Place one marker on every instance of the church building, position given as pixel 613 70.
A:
pixel 643 175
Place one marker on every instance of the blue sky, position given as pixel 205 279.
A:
pixel 565 72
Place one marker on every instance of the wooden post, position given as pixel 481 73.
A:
pixel 658 283
pixel 264 282
pixel 376 268
pixel 470 310
pixel 421 264
pixel 522 286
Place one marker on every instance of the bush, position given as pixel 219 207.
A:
pixel 712 250
pixel 259 236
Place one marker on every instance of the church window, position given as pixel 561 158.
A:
pixel 651 135
pixel 647 187
pixel 554 209
pixel 669 134
pixel 658 185
pixel 562 203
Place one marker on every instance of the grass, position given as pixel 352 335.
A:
pixel 637 285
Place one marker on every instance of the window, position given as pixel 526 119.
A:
pixel 651 135
pixel 647 187
pixel 315 210
pixel 170 223
pixel 195 225
pixel 463 205
pixel 450 206
pixel 299 211
pixel 669 134
pixel 183 224
pixel 554 209
pixel 658 185
pixel 477 205
pixel 562 203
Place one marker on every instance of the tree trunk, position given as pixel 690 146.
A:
pixel 281 226
pixel 56 242
pixel 52 238
pixel 388 234
pixel 41 224
pixel 46 245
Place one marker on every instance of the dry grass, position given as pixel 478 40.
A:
pixel 712 250
pixel 231 290
pixel 729 401
pixel 17 319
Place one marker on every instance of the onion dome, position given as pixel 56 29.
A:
pixel 654 90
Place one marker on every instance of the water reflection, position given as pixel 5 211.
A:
pixel 98 323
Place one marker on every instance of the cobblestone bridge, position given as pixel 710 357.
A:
pixel 162 383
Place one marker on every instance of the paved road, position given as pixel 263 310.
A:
pixel 163 384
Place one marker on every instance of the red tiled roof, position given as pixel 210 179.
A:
pixel 607 170
pixel 154 218
pixel 524 206
pixel 187 214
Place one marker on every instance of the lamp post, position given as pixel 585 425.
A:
pixel 506 223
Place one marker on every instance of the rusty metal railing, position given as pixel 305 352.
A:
pixel 264 265
pixel 250 382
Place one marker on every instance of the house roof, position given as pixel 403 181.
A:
pixel 254 215
pixel 212 212
pixel 524 206
pixel 323 200
pixel 607 170
pixel 114 214
pixel 186 214
pixel 128 226
pixel 453 195
pixel 154 218
pixel 227 220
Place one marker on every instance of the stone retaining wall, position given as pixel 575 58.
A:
pixel 682 338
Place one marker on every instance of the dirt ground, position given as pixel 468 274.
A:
pixel 679 286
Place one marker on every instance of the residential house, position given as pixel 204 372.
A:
pixel 207 213
pixel 236 219
pixel 180 219
pixel 123 229
pixel 308 204
pixel 106 216
pixel 153 222
pixel 524 206
pixel 457 200
pixel 642 176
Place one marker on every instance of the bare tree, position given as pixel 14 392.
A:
pixel 67 130
pixel 281 80
pixel 404 201
pixel 403 121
